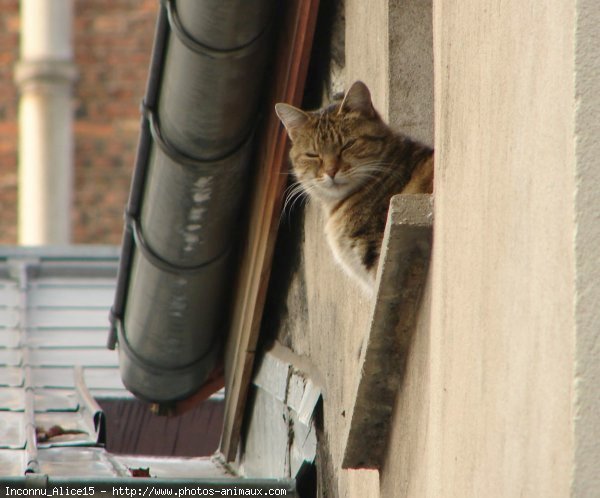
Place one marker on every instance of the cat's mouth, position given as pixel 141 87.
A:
pixel 329 182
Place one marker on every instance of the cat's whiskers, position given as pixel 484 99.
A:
pixel 373 163
pixel 363 172
pixel 371 170
pixel 294 193
pixel 371 175
pixel 304 197
pixel 379 166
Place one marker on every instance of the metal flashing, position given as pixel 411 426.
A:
pixel 53 303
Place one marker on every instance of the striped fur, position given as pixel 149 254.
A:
pixel 348 159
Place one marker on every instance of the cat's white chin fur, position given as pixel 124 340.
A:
pixel 332 194
pixel 349 261
pixel 358 275
pixel 332 191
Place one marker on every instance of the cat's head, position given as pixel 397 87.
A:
pixel 336 149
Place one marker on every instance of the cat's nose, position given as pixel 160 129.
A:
pixel 331 169
pixel 331 164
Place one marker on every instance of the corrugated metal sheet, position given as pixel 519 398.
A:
pixel 100 381
pixel 11 376
pixel 76 462
pixel 12 431
pixel 12 462
pixel 53 319
pixel 54 308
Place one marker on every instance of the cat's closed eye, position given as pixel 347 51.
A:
pixel 349 160
pixel 349 144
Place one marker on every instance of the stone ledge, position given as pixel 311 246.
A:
pixel 401 277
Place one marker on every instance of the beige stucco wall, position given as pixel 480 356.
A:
pixel 389 46
pixel 586 477
pixel 502 336
pixel 510 366
pixel 327 317
pixel 406 472
pixel 328 314
pixel 500 396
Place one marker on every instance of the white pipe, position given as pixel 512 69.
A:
pixel 45 76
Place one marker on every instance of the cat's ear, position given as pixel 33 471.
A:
pixel 291 117
pixel 358 98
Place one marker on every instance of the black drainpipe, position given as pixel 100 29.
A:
pixel 189 181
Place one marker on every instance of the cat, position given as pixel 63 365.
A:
pixel 352 163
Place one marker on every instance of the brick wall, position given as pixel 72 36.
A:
pixel 9 53
pixel 112 47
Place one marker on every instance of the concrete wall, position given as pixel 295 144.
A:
pixel 500 396
pixel 406 470
pixel 586 478
pixel 326 314
pixel 501 393
pixel 502 340
pixel 389 47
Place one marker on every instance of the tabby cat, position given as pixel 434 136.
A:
pixel 347 158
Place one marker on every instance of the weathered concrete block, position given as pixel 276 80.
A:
pixel 401 276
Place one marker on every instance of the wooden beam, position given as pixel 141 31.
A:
pixel 295 34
